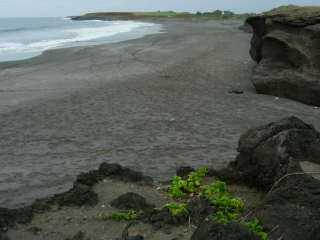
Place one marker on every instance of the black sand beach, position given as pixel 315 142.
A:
pixel 152 104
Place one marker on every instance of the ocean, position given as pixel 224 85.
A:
pixel 22 38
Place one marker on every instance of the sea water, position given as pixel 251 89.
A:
pixel 22 38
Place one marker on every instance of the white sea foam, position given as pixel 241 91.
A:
pixel 74 36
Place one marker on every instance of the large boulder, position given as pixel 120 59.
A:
pixel 269 152
pixel 271 158
pixel 291 211
pixel 286 46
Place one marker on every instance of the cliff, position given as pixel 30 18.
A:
pixel 286 46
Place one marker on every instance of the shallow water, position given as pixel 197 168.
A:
pixel 22 38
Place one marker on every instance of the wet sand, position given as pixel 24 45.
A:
pixel 152 104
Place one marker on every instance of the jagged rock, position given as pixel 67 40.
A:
pixel 129 201
pixel 286 46
pixel 79 195
pixel 108 169
pixel 90 178
pixel 230 231
pixel 292 210
pixel 269 152
pixel 270 159
pixel 123 174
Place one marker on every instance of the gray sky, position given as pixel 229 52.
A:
pixel 38 8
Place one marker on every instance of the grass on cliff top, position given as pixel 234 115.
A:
pixel 214 15
pixel 295 11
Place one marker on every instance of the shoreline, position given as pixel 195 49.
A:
pixel 120 36
pixel 152 103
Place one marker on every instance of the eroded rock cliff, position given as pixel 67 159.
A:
pixel 286 46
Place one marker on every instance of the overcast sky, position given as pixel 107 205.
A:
pixel 42 8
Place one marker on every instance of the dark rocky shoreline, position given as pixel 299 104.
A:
pixel 80 195
pixel 271 159
pixel 291 199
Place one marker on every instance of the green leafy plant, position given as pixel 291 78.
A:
pixel 120 216
pixel 227 203
pixel 228 208
pixel 217 187
pixel 177 209
pixel 255 226
pixel 180 187
pixel 218 196
pixel 195 179
pixel 177 187
pixel 224 217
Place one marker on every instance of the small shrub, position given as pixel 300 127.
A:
pixel 224 217
pixel 177 187
pixel 227 203
pixel 177 209
pixel 195 179
pixel 228 208
pixel 217 187
pixel 255 226
pixel 120 216
pixel 180 187
pixel 218 196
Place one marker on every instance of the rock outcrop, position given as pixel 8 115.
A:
pixel 270 159
pixel 286 46
pixel 269 152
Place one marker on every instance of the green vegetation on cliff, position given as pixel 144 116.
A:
pixel 295 11
pixel 214 15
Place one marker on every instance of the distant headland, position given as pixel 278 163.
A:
pixel 214 15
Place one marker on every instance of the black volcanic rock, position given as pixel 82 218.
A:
pixel 286 46
pixel 292 209
pixel 79 195
pixel 124 174
pixel 270 159
pixel 269 152
pixel 129 201
pixel 230 231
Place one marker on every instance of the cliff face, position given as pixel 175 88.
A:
pixel 286 46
